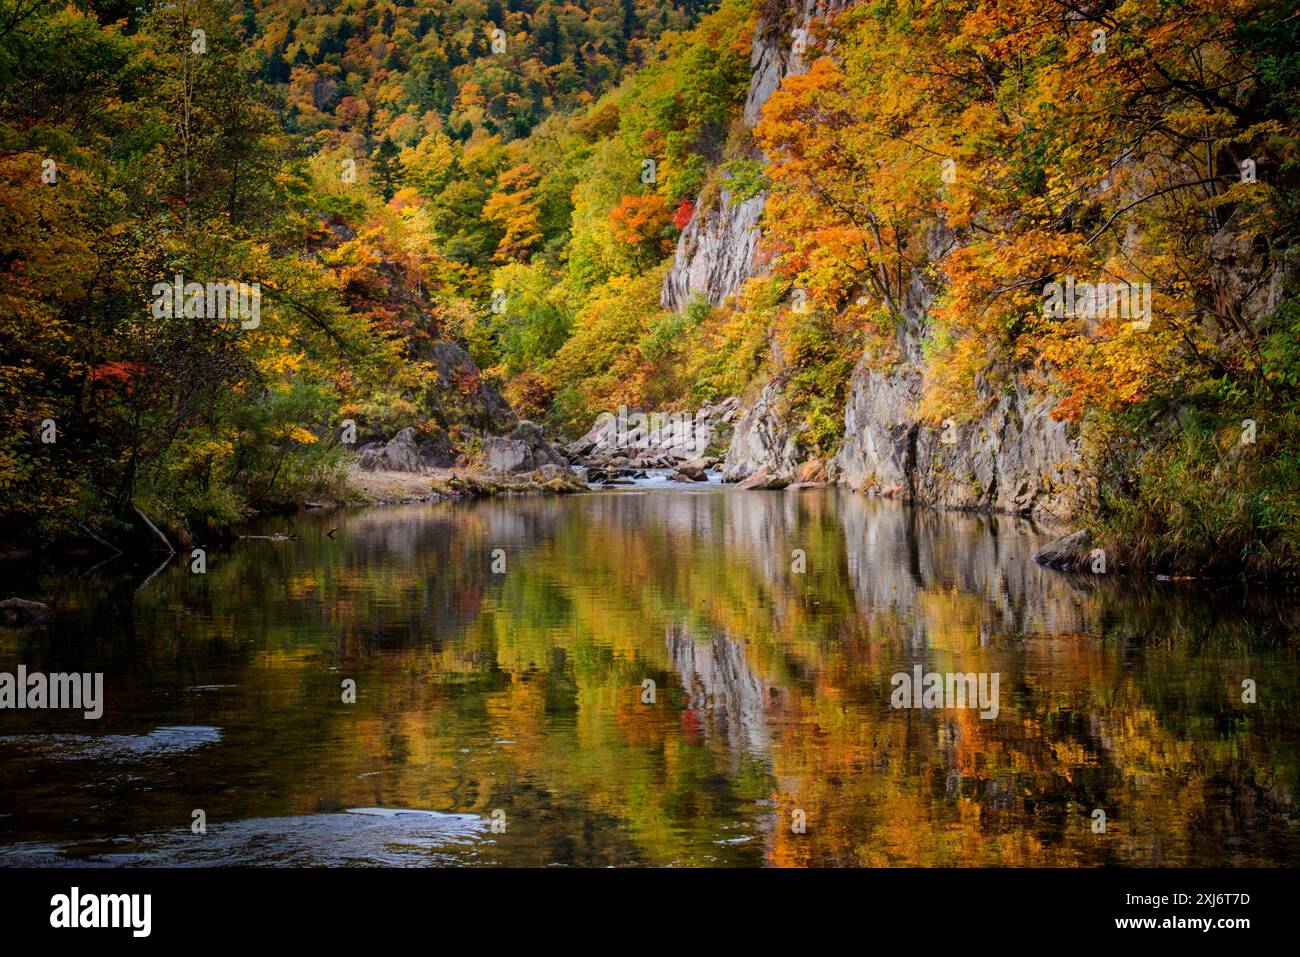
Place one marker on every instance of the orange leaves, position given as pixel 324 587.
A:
pixel 642 220
pixel 1104 372
pixel 998 150
pixel 851 198
pixel 804 104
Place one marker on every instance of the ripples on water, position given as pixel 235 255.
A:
pixel 523 693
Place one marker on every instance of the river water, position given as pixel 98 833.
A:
pixel 503 654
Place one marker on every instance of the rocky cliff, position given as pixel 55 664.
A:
pixel 1007 453
pixel 762 438
pixel 718 250
pixel 1012 458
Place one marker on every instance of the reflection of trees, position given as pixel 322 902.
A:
pixel 522 691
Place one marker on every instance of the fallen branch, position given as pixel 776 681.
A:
pixel 154 528
pixel 93 536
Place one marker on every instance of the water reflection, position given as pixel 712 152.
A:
pixel 770 625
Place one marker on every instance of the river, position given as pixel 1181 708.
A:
pixel 649 676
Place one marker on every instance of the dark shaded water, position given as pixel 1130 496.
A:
pixel 499 717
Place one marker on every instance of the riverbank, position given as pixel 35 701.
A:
pixel 353 487
pixel 385 487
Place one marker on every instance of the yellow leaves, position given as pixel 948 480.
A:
pixel 514 211
pixel 285 362
pixel 1199 121
pixel 201 455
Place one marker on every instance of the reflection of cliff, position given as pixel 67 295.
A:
pixel 882 556
pixel 522 691
pixel 894 554
pixel 719 683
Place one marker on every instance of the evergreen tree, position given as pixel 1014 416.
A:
pixel 386 167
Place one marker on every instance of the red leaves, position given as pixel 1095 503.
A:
pixel 682 215
pixel 116 375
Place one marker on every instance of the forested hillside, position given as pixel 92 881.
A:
pixel 361 163
pixel 852 216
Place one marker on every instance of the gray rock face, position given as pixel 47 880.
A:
pixel 523 450
pixel 715 253
pixel 718 249
pixel 777 52
pixel 1013 458
pixel 399 454
pixel 762 439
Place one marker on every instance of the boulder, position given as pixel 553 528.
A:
pixel 813 470
pixel 689 473
pixel 399 454
pixel 20 611
pixel 1070 553
pixel 763 479
pixel 523 450
pixel 559 478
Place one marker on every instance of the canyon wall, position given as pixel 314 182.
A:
pixel 1007 453
pixel 1013 458
pixel 718 249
